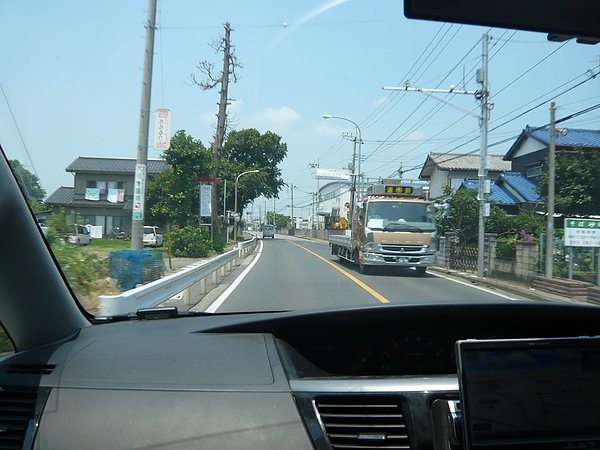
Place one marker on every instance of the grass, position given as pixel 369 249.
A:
pixel 109 245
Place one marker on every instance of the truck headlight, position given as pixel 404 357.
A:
pixel 370 247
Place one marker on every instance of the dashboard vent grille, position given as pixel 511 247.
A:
pixel 31 369
pixel 363 422
pixel 16 413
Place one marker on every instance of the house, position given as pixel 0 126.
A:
pixel 528 153
pixel 103 191
pixel 511 191
pixel 451 169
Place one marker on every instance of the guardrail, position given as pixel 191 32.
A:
pixel 159 291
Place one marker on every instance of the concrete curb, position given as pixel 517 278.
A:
pixel 513 287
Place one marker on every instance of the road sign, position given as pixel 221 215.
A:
pixel 209 180
pixel 205 197
pixel 582 232
pixel 162 129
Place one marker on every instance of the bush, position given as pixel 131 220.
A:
pixel 191 242
pixel 218 244
pixel 506 248
pixel 81 268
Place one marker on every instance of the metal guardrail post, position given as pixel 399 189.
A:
pixel 186 297
pixel 202 286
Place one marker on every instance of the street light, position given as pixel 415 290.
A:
pixel 352 197
pixel 235 225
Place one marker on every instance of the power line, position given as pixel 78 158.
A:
pixel 12 114
pixel 563 119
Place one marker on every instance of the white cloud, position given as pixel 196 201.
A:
pixel 277 119
pixel 330 128
pixel 415 136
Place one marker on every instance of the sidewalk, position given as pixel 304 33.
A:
pixel 512 287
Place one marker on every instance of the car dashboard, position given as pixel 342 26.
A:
pixel 375 377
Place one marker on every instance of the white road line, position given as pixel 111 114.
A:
pixel 473 286
pixel 219 301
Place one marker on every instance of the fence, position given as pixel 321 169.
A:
pixel 159 291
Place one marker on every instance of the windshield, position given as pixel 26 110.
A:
pixel 210 123
pixel 396 215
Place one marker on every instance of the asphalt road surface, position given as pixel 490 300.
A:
pixel 289 273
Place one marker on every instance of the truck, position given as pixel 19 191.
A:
pixel 392 226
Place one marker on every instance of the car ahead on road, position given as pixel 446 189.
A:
pixel 269 231
pixel 80 236
pixel 359 374
pixel 152 236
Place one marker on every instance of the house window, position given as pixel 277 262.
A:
pixel 534 171
pixel 90 184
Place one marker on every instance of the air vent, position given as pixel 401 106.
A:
pixel 363 422
pixel 31 369
pixel 16 413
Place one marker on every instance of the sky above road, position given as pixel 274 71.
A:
pixel 72 72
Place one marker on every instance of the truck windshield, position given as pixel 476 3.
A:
pixel 399 216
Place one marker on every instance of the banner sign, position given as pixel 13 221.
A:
pixel 138 192
pixel 332 174
pixel 205 200
pixel 162 129
pixel 582 233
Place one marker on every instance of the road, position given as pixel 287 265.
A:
pixel 290 273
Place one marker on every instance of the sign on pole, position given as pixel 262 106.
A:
pixel 332 174
pixel 162 129
pixel 205 200
pixel 582 232
pixel 139 187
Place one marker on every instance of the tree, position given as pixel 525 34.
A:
pixel 279 220
pixel 249 150
pixel 462 217
pixel 29 184
pixel 577 182
pixel 172 197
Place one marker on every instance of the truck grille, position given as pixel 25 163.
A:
pixel 398 248
pixel 363 422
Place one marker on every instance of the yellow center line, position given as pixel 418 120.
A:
pixel 370 290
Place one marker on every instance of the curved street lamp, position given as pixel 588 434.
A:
pixel 235 208
pixel 354 174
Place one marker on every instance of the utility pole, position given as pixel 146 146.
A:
pixel 273 210
pixel 551 181
pixel 483 96
pixel 484 206
pixel 139 194
pixel 293 221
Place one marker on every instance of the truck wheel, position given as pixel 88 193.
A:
pixel 421 271
pixel 361 267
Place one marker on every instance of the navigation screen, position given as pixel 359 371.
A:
pixel 537 392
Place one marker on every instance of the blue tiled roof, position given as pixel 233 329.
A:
pixel 565 137
pixel 569 137
pixel 497 195
pixel 525 187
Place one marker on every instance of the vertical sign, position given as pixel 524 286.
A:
pixel 162 129
pixel 205 200
pixel 138 192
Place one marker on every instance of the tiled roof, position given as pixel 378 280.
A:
pixel 88 164
pixel 565 137
pixel 62 196
pixel 65 196
pixel 460 161
pixel 504 188
pixel 497 195
pixel 524 186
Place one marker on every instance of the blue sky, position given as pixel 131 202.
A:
pixel 71 71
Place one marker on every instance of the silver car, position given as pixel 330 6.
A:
pixel 80 236
pixel 269 231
